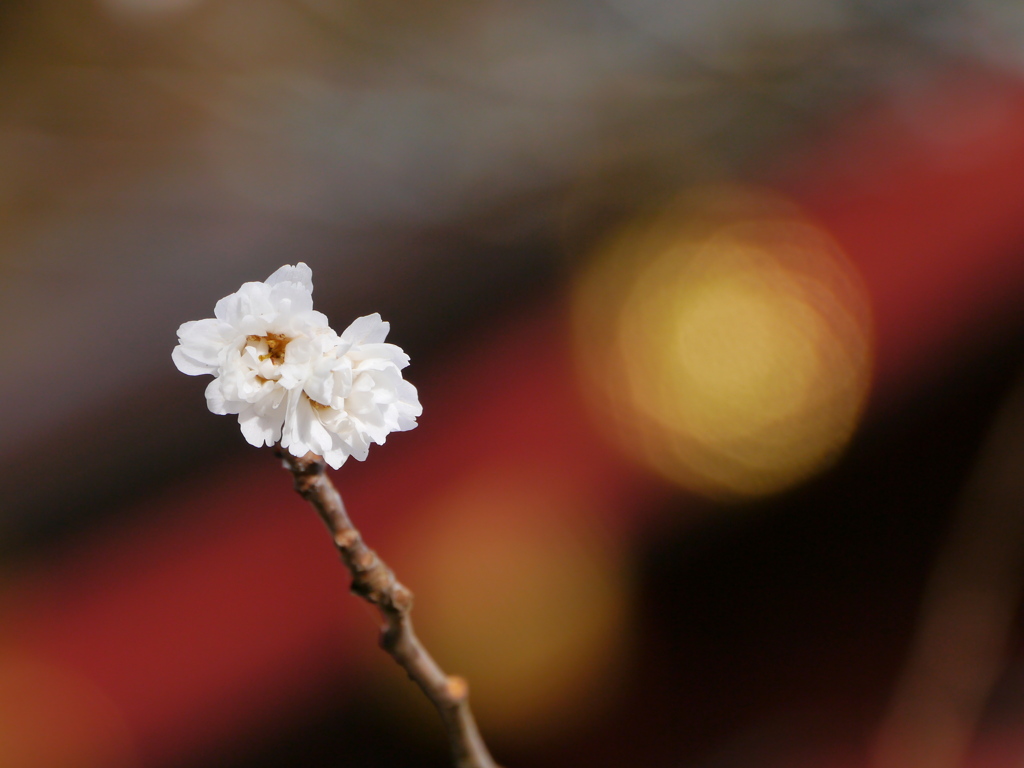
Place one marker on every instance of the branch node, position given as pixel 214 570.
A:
pixel 389 635
pixel 457 688
pixel 363 561
pixel 401 598
pixel 346 539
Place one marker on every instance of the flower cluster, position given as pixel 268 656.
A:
pixel 290 378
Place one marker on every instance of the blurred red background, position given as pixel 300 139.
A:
pixel 716 325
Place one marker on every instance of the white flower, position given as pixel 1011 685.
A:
pixel 290 378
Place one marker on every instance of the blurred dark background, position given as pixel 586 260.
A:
pixel 716 310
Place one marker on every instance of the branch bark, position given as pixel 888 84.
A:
pixel 374 581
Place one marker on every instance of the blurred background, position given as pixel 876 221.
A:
pixel 716 310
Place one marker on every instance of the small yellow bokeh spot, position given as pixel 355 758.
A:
pixel 726 343
pixel 519 592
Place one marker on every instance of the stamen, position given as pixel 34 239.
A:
pixel 276 343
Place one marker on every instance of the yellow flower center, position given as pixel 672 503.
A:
pixel 276 343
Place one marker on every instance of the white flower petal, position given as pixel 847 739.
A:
pixel 300 274
pixel 290 300
pixel 215 399
pixel 189 365
pixel 381 354
pixel 250 302
pixel 290 434
pixel 369 329
pixel 336 456
pixel 259 429
pixel 201 343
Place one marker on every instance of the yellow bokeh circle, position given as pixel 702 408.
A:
pixel 519 591
pixel 725 342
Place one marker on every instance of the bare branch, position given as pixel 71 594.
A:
pixel 373 581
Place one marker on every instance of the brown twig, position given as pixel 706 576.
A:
pixel 373 581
